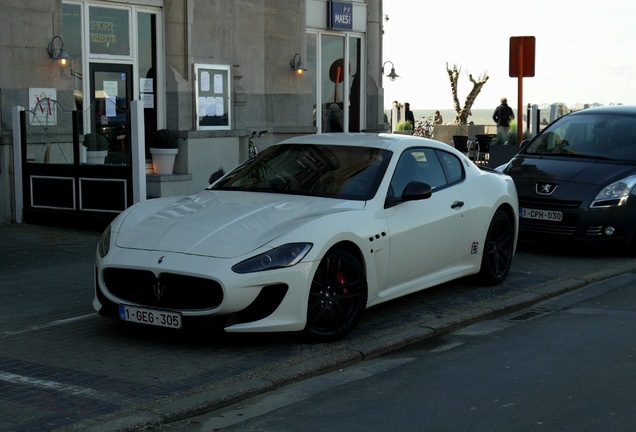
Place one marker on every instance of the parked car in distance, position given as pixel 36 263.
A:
pixel 307 235
pixel 576 178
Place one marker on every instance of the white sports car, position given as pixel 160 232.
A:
pixel 307 235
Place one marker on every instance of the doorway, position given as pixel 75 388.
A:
pixel 111 92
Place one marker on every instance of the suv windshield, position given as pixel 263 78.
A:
pixel 334 171
pixel 602 136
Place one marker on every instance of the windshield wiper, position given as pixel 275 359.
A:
pixel 569 154
pixel 583 156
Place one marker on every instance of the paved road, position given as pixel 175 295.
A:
pixel 64 368
pixel 566 364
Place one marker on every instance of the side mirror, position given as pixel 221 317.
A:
pixel 416 191
pixel 216 175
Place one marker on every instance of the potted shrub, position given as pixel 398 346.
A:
pixel 164 147
pixel 96 148
pixel 404 127
pixel 504 147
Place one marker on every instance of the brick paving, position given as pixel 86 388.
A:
pixel 64 368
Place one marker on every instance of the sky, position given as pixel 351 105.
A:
pixel 584 51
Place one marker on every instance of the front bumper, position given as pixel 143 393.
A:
pixel 203 290
pixel 605 225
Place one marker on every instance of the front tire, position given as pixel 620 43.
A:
pixel 337 297
pixel 498 250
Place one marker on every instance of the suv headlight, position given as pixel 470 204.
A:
pixel 615 194
pixel 283 256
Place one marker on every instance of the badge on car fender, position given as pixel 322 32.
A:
pixel 474 248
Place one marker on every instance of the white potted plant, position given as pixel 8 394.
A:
pixel 164 147
pixel 96 148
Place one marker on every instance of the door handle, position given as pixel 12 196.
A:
pixel 457 204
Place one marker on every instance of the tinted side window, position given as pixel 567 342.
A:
pixel 452 166
pixel 420 165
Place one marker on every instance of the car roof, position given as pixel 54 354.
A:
pixel 381 140
pixel 611 109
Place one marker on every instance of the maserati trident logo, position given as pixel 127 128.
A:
pixel 158 291
pixel 545 189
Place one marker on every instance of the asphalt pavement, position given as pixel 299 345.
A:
pixel 46 282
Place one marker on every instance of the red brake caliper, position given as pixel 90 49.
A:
pixel 342 281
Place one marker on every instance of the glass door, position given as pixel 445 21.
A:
pixel 111 93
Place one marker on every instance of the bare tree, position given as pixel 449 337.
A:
pixel 461 114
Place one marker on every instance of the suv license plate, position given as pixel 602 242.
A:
pixel 548 215
pixel 153 317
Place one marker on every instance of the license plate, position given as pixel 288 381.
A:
pixel 153 317
pixel 548 215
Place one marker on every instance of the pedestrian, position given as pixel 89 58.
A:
pixel 502 116
pixel 437 118
pixel 408 115
pixel 334 119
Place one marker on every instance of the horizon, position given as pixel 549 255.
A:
pixel 581 57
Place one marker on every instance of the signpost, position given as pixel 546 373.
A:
pixel 521 65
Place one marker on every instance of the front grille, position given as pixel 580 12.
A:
pixel 548 204
pixel 169 290
pixel 546 229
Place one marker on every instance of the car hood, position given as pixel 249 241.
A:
pixel 582 171
pixel 221 224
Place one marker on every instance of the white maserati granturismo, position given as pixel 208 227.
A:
pixel 307 235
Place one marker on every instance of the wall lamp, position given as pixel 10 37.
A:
pixel 392 76
pixel 60 54
pixel 296 65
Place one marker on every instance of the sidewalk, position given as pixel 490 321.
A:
pixel 142 380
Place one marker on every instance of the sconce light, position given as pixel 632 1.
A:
pixel 392 76
pixel 61 55
pixel 296 65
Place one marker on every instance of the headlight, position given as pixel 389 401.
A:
pixel 283 256
pixel 104 243
pixel 615 194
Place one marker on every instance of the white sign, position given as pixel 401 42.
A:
pixel 148 100
pixel 111 89
pixel 145 85
pixel 42 104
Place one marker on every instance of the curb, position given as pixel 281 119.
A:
pixel 182 406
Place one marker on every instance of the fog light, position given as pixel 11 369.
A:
pixel 609 231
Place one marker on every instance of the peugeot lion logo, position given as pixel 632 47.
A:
pixel 545 188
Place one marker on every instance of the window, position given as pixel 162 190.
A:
pixel 335 63
pixel 109 31
pixel 419 165
pixel 452 166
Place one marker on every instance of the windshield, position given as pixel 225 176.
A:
pixel 602 136
pixel 335 171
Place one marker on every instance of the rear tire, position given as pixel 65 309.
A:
pixel 498 250
pixel 337 298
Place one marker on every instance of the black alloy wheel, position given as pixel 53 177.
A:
pixel 337 298
pixel 498 249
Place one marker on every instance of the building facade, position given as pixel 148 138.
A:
pixel 213 71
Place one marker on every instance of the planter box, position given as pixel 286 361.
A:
pixel 500 154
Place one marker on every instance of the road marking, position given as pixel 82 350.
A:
pixel 46 384
pixel 48 325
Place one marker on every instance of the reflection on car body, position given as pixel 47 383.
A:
pixel 307 235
